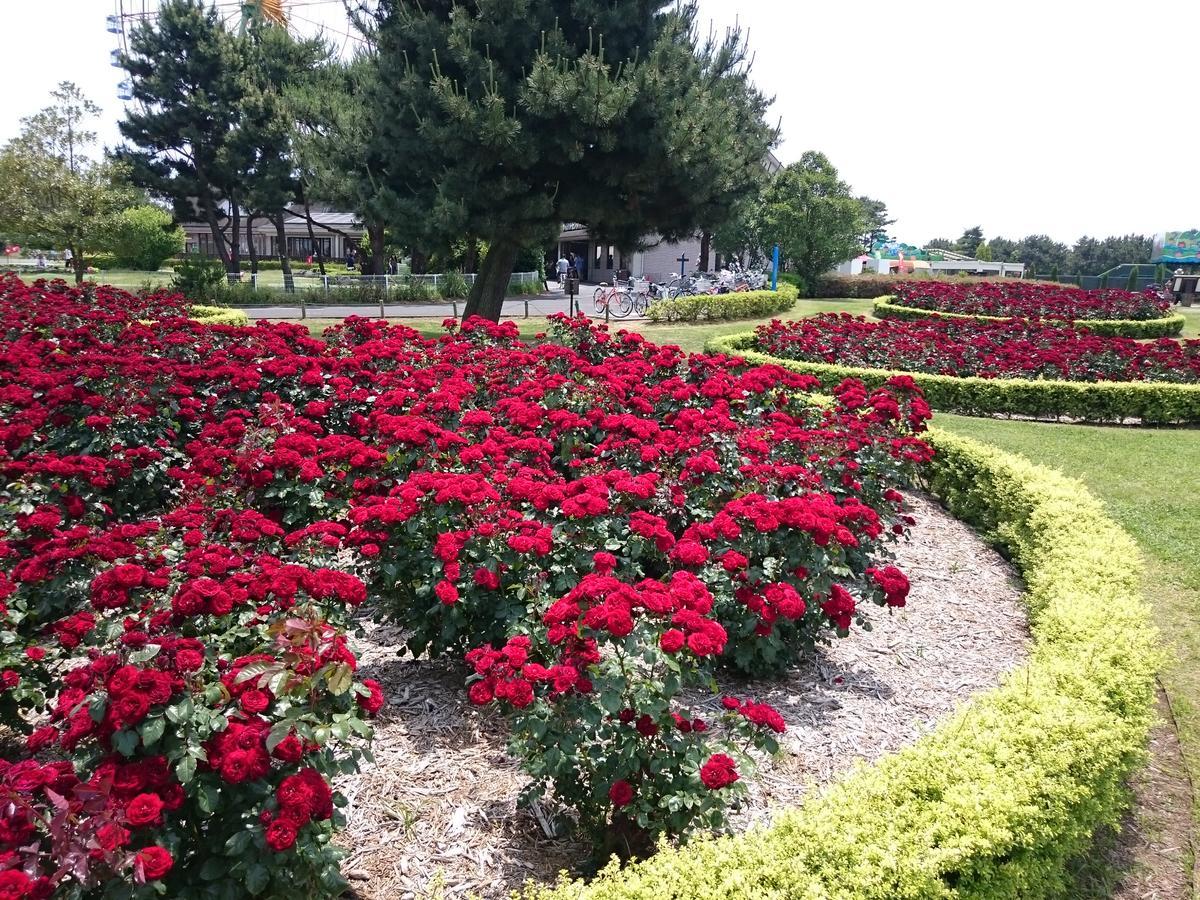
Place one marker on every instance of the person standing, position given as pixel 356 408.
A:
pixel 68 257
pixel 562 267
pixel 579 266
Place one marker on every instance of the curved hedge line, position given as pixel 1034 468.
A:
pixel 1152 402
pixel 734 305
pixel 998 799
pixel 219 315
pixel 1130 328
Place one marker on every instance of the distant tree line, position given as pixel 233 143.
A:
pixel 1043 255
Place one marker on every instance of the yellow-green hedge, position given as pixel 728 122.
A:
pixel 1151 402
pixel 219 315
pixel 1130 328
pixel 715 307
pixel 1001 797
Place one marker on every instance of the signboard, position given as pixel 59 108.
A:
pixel 1177 247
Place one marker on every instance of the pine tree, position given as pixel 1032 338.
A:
pixel 1132 282
pixel 190 82
pixel 502 120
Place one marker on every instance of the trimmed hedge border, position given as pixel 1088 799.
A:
pixel 1151 402
pixel 719 307
pixel 219 315
pixel 1001 797
pixel 1171 326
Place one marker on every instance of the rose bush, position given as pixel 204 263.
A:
pixel 193 513
pixel 1005 349
pixel 1029 300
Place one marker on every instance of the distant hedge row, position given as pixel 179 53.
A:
pixel 999 799
pixel 718 307
pixel 1151 403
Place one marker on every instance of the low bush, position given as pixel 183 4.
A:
pixel 1152 403
pixel 219 315
pixel 718 307
pixel 1167 326
pixel 868 286
pixel 999 799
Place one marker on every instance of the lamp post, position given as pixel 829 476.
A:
pixel 775 268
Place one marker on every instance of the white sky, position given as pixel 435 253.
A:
pixel 1061 117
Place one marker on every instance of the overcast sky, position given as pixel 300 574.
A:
pixel 1058 116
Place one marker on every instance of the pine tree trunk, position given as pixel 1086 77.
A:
pixel 491 286
pixel 419 262
pixel 78 264
pixel 250 217
pixel 285 264
pixel 217 235
pixel 235 245
pixel 313 244
pixel 705 248
pixel 375 236
pixel 471 258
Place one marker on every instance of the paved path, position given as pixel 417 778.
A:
pixel 546 304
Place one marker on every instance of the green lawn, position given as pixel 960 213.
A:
pixel 1150 480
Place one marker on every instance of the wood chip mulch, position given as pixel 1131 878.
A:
pixel 437 814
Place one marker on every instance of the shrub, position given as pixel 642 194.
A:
pixel 453 286
pixel 198 277
pixel 219 315
pixel 1167 326
pixel 1152 403
pixel 717 307
pixel 998 800
pixel 144 237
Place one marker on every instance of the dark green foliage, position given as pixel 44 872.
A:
pixel 1104 282
pixel 1131 283
pixel 144 237
pixel 1054 273
pixel 809 211
pixel 506 119
pixel 970 241
pixel 198 277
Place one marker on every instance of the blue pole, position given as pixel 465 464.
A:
pixel 775 269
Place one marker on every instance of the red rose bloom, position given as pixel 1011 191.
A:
pixel 672 640
pixel 255 701
pixel 14 884
pixel 621 793
pixel 144 809
pixel 371 702
pixel 112 836
pixel 281 835
pixel 720 771
pixel 153 862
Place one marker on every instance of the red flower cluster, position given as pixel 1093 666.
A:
pixel 183 496
pixel 1013 298
pixel 1007 349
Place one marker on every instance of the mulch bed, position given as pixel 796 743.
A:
pixel 437 812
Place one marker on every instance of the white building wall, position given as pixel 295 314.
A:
pixel 661 261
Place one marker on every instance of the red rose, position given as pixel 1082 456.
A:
pixel 480 693
pixel 672 640
pixel 35 653
pixel 255 701
pixel 371 702
pixel 144 809
pixel 446 592
pixel 112 836
pixel 189 660
pixel 621 793
pixel 720 771
pixel 281 835
pixel 289 749
pixel 152 863
pixel 14 884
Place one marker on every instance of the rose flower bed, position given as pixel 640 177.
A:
pixel 999 350
pixel 192 512
pixel 1029 300
pixel 1110 312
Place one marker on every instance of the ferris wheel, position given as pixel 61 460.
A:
pixel 295 15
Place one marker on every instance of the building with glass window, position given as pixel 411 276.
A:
pixel 333 233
